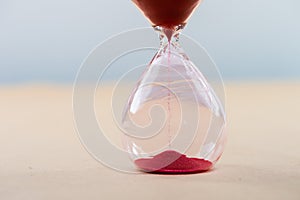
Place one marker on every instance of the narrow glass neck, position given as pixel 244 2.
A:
pixel 169 35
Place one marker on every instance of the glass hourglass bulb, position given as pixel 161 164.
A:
pixel 173 121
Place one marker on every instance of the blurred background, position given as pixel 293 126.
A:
pixel 46 41
pixel 255 44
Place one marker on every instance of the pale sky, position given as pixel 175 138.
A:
pixel 47 40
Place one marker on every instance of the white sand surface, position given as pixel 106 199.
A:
pixel 42 158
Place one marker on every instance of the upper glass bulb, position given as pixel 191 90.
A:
pixel 167 13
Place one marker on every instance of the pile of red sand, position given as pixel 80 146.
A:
pixel 172 162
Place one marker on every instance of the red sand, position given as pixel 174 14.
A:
pixel 172 162
pixel 167 13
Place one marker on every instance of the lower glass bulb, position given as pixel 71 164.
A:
pixel 173 121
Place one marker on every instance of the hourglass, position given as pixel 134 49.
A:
pixel 173 121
